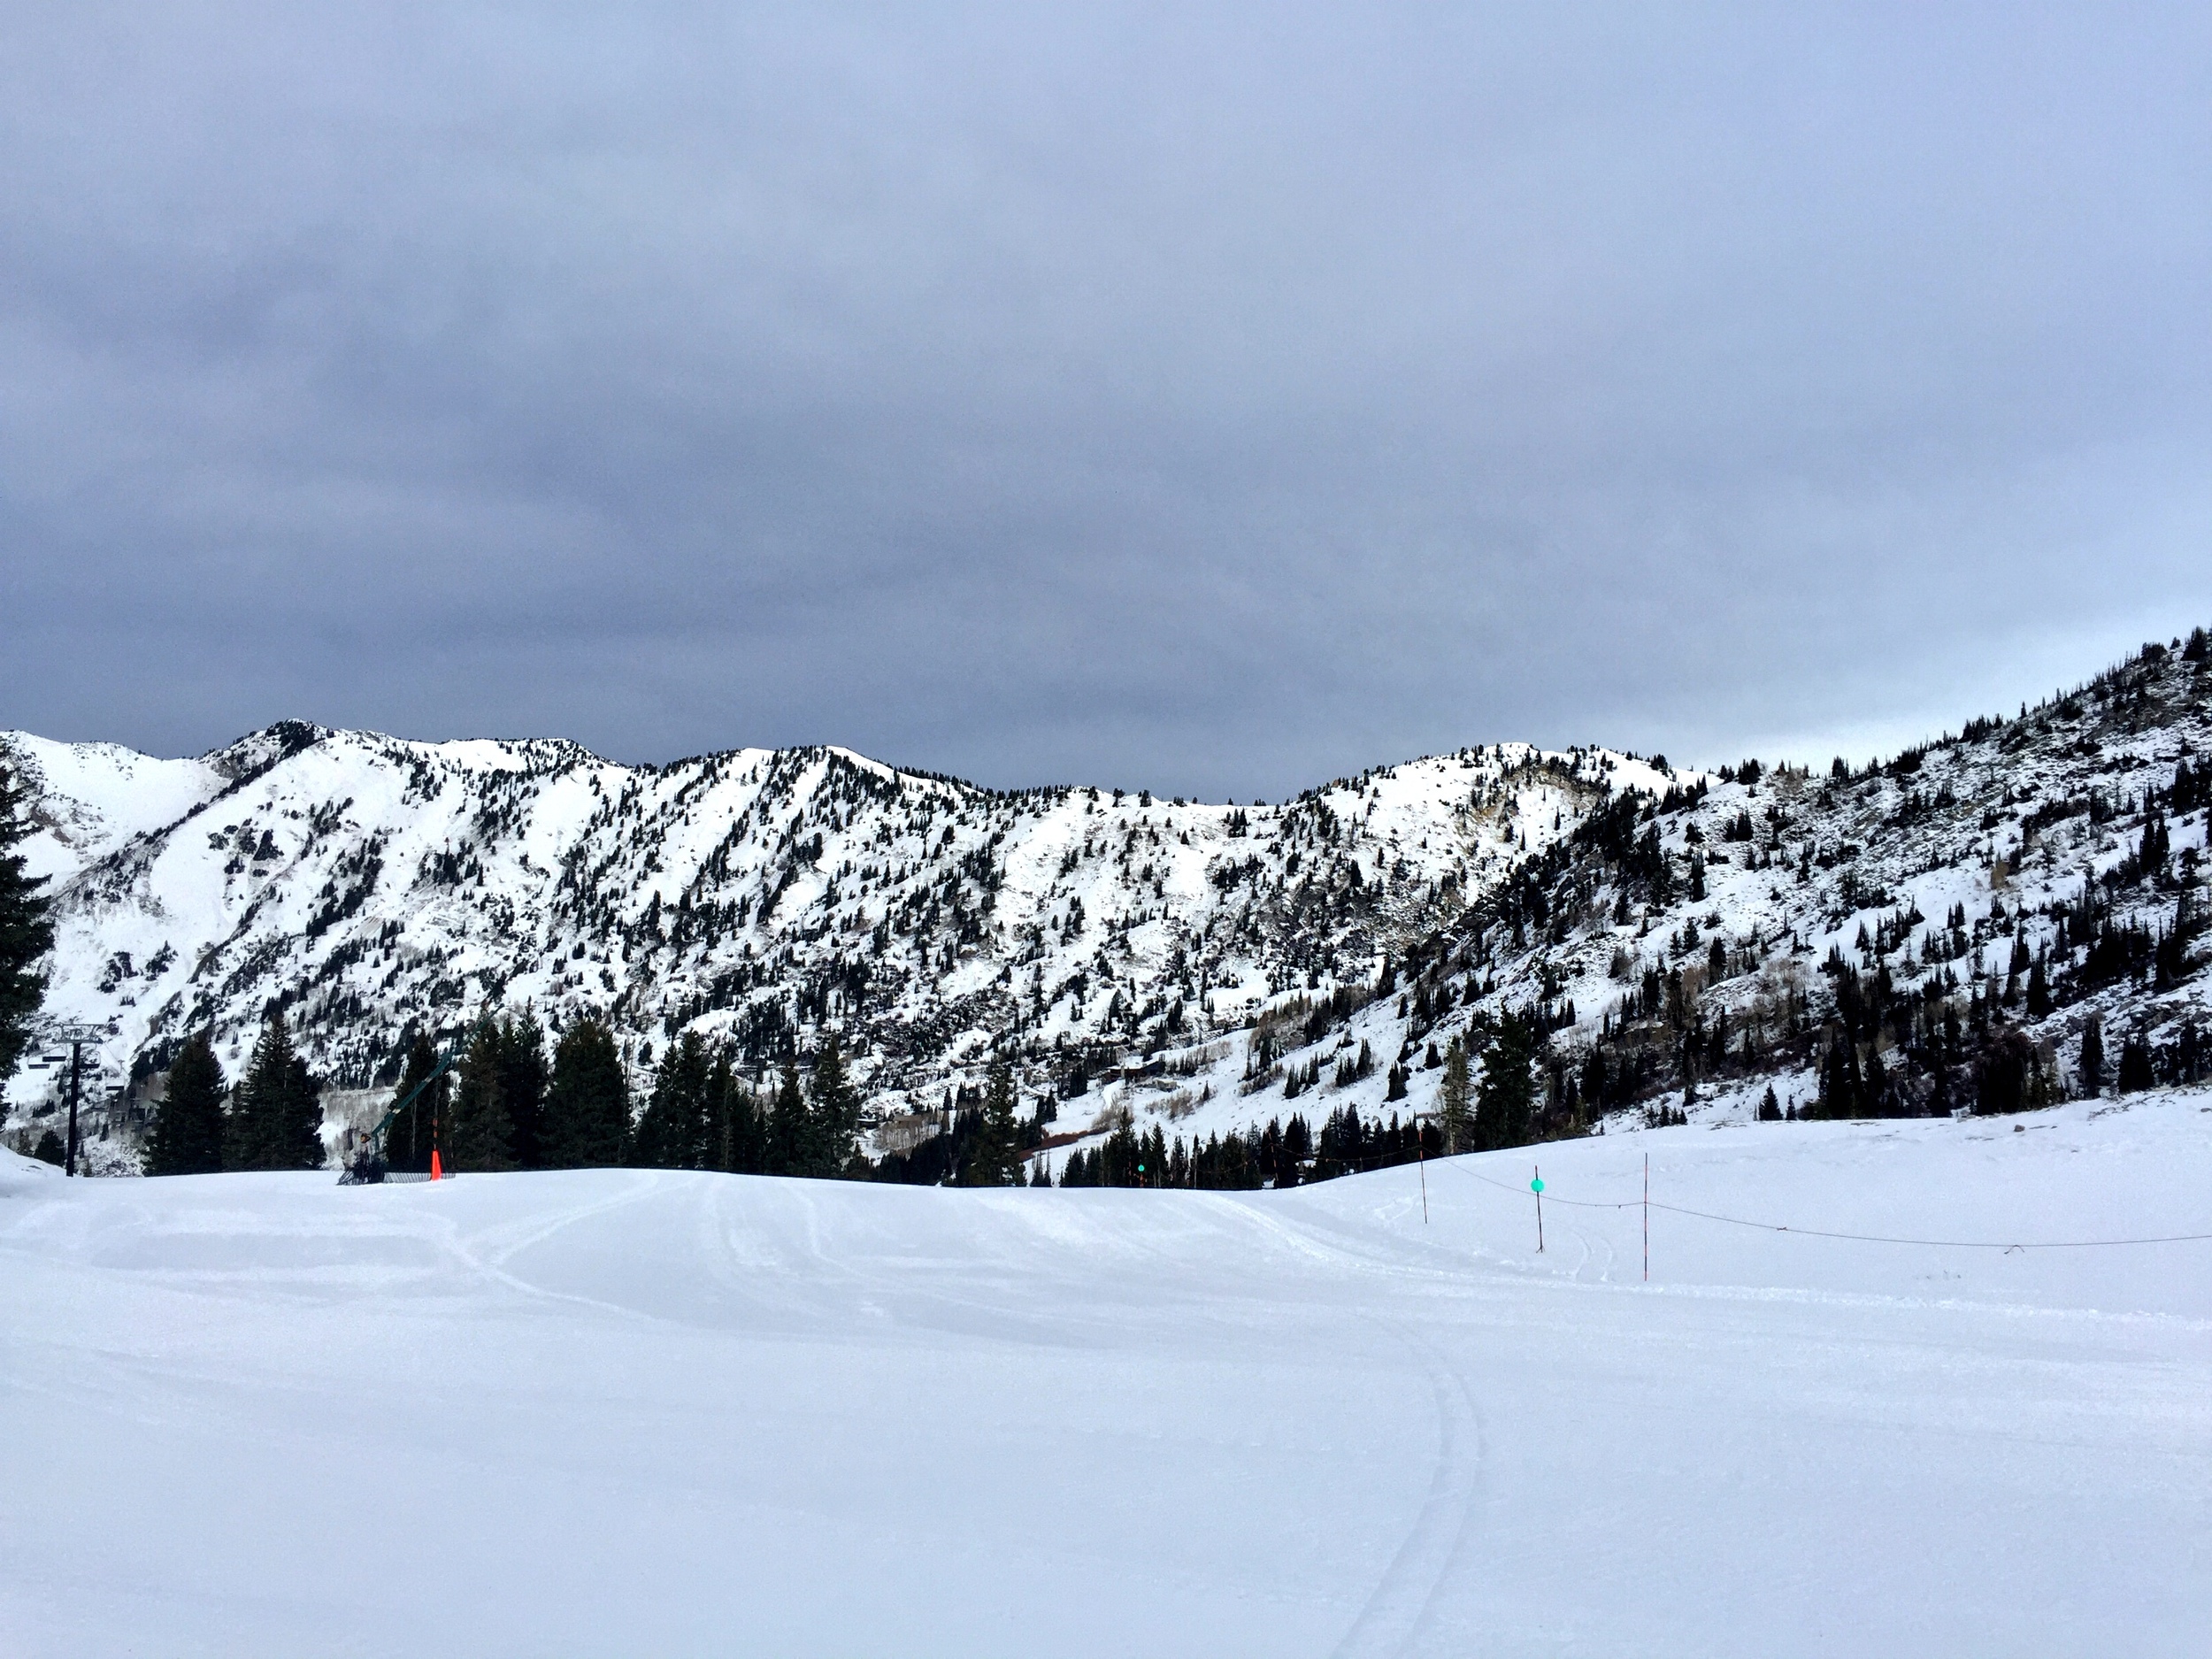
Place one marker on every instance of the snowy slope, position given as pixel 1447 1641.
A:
pixel 623 1412
pixel 1859 911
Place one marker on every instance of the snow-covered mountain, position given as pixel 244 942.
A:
pixel 1698 929
pixel 376 886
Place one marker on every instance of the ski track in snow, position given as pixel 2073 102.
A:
pixel 1395 1615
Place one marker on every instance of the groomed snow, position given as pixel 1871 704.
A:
pixel 634 1412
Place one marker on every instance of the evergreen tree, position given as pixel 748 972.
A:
pixel 50 1151
pixel 1456 1097
pixel 415 1130
pixel 2092 1080
pixel 1876 1097
pixel 187 1135
pixel 299 1134
pixel 723 1109
pixel 275 1120
pixel 1508 1095
pixel 2001 1076
pixel 995 1160
pixel 1152 1160
pixel 587 1103
pixel 2135 1071
pixel 483 1135
pixel 833 1113
pixel 671 1130
pixel 1841 1087
pixel 522 1084
pixel 787 1134
pixel 752 1124
pixel 26 934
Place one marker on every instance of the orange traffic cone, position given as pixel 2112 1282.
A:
pixel 437 1169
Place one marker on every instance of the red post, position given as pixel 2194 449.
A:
pixel 437 1172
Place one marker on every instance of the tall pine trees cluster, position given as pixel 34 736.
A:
pixel 188 1134
pixel 504 1107
pixel 272 1120
pixel 704 1115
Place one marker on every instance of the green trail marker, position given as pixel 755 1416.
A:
pixel 1536 1186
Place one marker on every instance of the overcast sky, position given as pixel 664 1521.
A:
pixel 1213 399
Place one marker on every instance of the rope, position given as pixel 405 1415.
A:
pixel 1860 1238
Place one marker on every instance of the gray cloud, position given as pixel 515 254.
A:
pixel 1212 399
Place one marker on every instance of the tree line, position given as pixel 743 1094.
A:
pixel 505 1106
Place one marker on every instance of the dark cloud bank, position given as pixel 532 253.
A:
pixel 1212 399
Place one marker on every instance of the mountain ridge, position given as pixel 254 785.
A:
pixel 378 887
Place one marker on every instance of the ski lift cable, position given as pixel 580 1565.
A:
pixel 1860 1238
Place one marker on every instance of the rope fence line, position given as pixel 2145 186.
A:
pixel 1820 1232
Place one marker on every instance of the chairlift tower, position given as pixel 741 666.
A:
pixel 76 1034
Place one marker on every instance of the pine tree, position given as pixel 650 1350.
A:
pixel 2092 1080
pixel 1153 1160
pixel 2135 1071
pixel 299 1129
pixel 423 1118
pixel 995 1160
pixel 483 1135
pixel 833 1112
pixel 1875 1094
pixel 1456 1097
pixel 587 1103
pixel 2001 1076
pixel 671 1130
pixel 752 1122
pixel 26 933
pixel 276 1118
pixel 187 1135
pixel 1508 1095
pixel 724 1108
pixel 1840 1086
pixel 522 1085
pixel 787 1131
